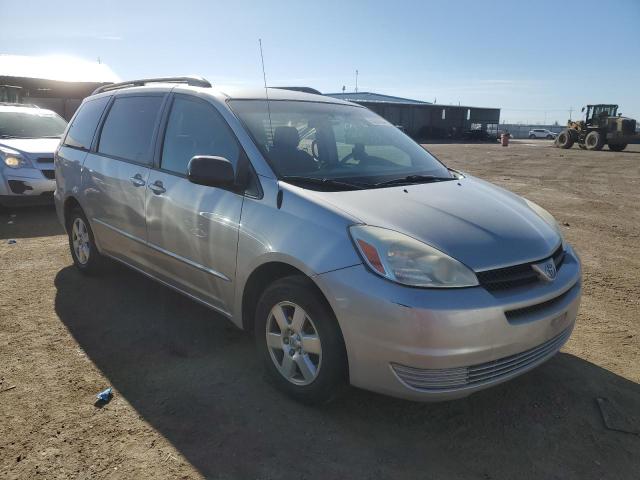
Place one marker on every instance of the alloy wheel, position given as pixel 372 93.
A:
pixel 80 240
pixel 294 343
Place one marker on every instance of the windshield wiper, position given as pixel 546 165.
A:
pixel 409 179
pixel 326 182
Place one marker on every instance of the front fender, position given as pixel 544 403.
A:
pixel 298 231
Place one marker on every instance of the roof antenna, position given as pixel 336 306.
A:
pixel 266 92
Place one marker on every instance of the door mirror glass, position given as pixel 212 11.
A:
pixel 211 171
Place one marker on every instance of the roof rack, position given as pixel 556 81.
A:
pixel 301 89
pixel 191 81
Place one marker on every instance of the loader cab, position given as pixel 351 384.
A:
pixel 597 114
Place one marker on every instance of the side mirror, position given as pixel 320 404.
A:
pixel 582 109
pixel 211 171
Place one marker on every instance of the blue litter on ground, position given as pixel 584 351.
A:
pixel 11 241
pixel 105 395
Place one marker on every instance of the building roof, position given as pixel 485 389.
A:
pixel 375 97
pixel 58 68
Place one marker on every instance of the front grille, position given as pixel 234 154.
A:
pixel 515 276
pixel 50 174
pixel 513 316
pixel 45 160
pixel 489 372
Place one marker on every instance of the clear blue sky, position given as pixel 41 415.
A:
pixel 527 57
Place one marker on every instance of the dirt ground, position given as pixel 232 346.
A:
pixel 190 400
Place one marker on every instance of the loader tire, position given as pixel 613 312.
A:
pixel 564 139
pixel 617 147
pixel 594 141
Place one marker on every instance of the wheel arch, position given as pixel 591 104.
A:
pixel 258 280
pixel 70 203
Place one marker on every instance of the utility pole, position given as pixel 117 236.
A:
pixel 356 81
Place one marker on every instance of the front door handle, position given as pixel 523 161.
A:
pixel 137 180
pixel 157 187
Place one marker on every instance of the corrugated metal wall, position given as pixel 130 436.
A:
pixel 426 121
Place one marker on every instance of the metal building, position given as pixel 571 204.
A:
pixel 424 120
pixel 55 83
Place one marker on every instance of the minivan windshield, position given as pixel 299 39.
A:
pixel 23 123
pixel 335 146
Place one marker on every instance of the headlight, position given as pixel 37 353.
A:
pixel 11 158
pixel 408 261
pixel 546 216
pixel 14 162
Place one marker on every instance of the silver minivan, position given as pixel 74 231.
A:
pixel 352 253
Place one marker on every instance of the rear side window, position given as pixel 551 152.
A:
pixel 128 130
pixel 196 128
pixel 85 122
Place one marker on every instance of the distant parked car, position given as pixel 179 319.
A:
pixel 28 137
pixel 542 133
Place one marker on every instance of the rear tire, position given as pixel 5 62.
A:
pixel 617 147
pixel 82 244
pixel 532 137
pixel 564 139
pixel 594 141
pixel 300 342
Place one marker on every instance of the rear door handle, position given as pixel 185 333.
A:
pixel 137 180
pixel 157 187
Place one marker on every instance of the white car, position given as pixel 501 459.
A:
pixel 542 133
pixel 28 137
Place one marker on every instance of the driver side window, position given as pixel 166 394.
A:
pixel 196 128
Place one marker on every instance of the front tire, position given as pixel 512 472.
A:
pixel 564 139
pixel 549 137
pixel 82 244
pixel 300 342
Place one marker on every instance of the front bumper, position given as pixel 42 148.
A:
pixel 25 186
pixel 438 344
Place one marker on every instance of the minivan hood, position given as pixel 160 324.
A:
pixel 475 222
pixel 31 145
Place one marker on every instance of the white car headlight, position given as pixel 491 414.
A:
pixel 546 216
pixel 12 159
pixel 405 260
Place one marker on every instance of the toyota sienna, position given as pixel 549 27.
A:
pixel 352 253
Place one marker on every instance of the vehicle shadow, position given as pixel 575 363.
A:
pixel 27 222
pixel 196 379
